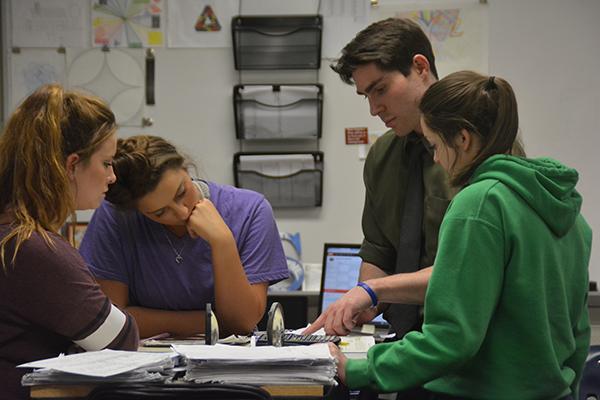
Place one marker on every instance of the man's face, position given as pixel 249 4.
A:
pixel 393 97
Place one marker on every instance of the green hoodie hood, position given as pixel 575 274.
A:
pixel 545 184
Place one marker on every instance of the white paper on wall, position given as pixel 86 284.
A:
pixel 128 23
pixel 49 23
pixel 457 30
pixel 32 68
pixel 342 20
pixel 200 23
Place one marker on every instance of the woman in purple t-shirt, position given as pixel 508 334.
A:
pixel 164 245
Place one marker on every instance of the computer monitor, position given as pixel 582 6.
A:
pixel 341 267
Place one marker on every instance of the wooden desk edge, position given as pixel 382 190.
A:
pixel 56 391
pixel 75 391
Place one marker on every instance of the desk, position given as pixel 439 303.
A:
pixel 81 391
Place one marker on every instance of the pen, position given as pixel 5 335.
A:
pixel 163 335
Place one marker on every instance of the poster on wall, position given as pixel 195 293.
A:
pixel 117 76
pixel 31 68
pixel 458 33
pixel 128 23
pixel 49 23
pixel 198 23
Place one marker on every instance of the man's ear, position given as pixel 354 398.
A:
pixel 421 65
pixel 72 161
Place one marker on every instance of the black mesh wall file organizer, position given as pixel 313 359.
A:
pixel 290 111
pixel 277 42
pixel 287 180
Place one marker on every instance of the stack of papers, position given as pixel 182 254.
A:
pixel 101 366
pixel 263 365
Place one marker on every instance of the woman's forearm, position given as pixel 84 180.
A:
pixel 239 305
pixel 152 321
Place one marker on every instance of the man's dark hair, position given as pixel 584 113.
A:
pixel 390 44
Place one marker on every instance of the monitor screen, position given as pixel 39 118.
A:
pixel 341 267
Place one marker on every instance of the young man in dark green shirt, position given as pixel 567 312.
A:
pixel 391 63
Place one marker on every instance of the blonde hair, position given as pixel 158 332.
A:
pixel 42 132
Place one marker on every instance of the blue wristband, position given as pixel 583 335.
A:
pixel 370 291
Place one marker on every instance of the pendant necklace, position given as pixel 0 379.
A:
pixel 178 256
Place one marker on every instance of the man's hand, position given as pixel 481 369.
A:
pixel 367 316
pixel 340 360
pixel 343 315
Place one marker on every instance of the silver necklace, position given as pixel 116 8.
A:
pixel 205 192
pixel 178 256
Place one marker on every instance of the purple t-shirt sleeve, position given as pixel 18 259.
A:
pixel 103 245
pixel 261 251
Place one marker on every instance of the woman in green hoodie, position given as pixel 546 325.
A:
pixel 506 307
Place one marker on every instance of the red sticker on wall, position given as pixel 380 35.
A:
pixel 357 135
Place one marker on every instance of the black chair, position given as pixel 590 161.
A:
pixel 179 391
pixel 589 388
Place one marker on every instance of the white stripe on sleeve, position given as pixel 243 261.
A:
pixel 106 333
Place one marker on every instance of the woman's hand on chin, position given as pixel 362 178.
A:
pixel 206 222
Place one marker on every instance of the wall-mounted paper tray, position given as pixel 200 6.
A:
pixel 277 42
pixel 287 180
pixel 286 111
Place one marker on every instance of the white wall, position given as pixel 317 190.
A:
pixel 547 49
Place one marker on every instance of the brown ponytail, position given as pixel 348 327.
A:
pixel 484 106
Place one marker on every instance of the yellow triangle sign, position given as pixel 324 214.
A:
pixel 207 21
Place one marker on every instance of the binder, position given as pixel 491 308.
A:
pixel 277 42
pixel 286 179
pixel 278 111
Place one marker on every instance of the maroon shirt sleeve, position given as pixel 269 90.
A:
pixel 53 289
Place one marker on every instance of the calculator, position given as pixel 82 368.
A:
pixel 294 339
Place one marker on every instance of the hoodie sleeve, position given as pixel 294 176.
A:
pixel 469 266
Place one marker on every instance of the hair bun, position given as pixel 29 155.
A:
pixel 491 83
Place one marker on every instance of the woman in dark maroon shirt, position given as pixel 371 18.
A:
pixel 56 156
